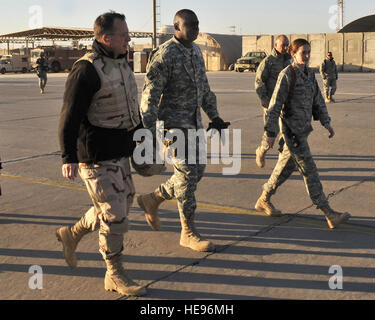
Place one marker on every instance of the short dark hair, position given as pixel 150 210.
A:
pixel 184 14
pixel 104 23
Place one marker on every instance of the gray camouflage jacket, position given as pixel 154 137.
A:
pixel 328 69
pixel 306 96
pixel 176 87
pixel 268 72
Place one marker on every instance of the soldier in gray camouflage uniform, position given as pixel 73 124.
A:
pixel 41 71
pixel 328 71
pixel 265 82
pixel 295 126
pixel 175 89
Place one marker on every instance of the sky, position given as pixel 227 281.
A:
pixel 250 17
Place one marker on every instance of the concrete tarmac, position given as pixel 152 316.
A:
pixel 292 257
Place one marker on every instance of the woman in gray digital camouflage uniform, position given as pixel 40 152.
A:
pixel 295 100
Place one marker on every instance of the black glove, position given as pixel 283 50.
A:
pixel 218 124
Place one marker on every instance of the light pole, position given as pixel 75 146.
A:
pixel 340 5
pixel 154 24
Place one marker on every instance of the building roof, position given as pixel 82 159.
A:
pixel 57 33
pixel 364 24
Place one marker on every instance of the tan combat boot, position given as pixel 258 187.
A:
pixel 117 280
pixel 260 158
pixel 334 218
pixel 264 204
pixel 69 237
pixel 150 203
pixel 190 238
pixel 327 100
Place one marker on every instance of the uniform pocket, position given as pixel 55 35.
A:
pixel 93 178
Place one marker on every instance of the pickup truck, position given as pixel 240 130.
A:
pixel 250 61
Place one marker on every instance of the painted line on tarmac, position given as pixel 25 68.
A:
pixel 226 209
pixel 47 155
pixel 355 94
pixel 31 85
pixel 202 205
pixel 43 182
pixel 343 227
pixel 231 90
pixel 83 188
pixel 30 118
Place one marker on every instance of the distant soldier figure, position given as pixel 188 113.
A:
pixel 328 71
pixel 296 99
pixel 175 90
pixel 41 71
pixel 265 82
pixel 99 116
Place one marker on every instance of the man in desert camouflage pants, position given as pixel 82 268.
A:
pixel 99 116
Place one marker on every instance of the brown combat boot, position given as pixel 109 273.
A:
pixel 150 203
pixel 334 218
pixel 117 280
pixel 70 237
pixel 190 238
pixel 260 158
pixel 264 204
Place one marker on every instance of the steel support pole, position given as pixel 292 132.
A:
pixel 153 24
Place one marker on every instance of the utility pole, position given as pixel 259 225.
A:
pixel 340 5
pixel 155 21
pixel 153 24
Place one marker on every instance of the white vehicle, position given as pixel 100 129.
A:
pixel 14 63
pixel 5 66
